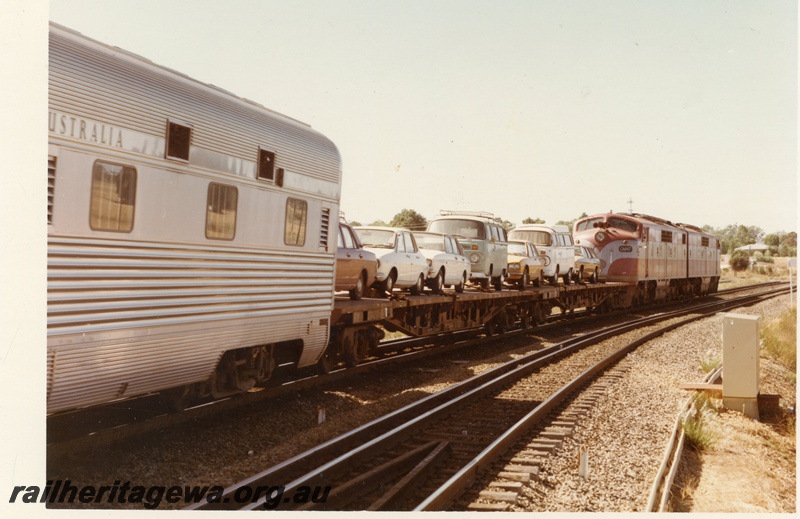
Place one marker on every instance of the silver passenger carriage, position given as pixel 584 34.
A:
pixel 191 246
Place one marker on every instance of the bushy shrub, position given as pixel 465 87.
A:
pixel 740 260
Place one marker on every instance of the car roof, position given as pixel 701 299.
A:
pixel 381 228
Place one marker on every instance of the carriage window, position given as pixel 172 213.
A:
pixel 266 165
pixel 666 236
pixel 179 138
pixel 221 212
pixel 113 197
pixel 296 218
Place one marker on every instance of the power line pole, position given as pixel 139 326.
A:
pixel 630 205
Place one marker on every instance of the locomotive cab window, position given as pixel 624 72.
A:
pixel 296 219
pixel 221 212
pixel 113 197
pixel 179 139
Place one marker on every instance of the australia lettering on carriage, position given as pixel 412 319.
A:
pixel 84 129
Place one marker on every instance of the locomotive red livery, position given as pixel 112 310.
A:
pixel 657 258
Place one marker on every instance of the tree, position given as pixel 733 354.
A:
pixel 532 220
pixel 379 223
pixel 569 223
pixel 740 260
pixel 409 219
pixel 354 223
pixel 505 223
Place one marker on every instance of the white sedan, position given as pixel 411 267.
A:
pixel 447 264
pixel 400 263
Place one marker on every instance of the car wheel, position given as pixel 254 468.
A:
pixel 594 276
pixel 579 276
pixel 483 283
pixel 568 277
pixel 554 277
pixel 498 283
pixel 539 281
pixel 388 283
pixel 416 289
pixel 523 282
pixel 358 292
pixel 438 282
pixel 460 287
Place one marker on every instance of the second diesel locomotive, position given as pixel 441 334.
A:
pixel 659 259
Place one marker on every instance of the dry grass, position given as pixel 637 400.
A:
pixel 779 339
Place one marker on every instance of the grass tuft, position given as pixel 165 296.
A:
pixel 779 339
pixel 698 435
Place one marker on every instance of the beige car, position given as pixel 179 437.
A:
pixel 587 264
pixel 355 267
pixel 524 264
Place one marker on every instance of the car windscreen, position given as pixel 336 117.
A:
pixel 429 241
pixel 376 238
pixel 536 237
pixel 517 249
pixel 466 228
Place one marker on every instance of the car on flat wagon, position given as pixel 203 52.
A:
pixel 524 264
pixel 484 241
pixel 447 264
pixel 587 264
pixel 554 243
pixel 355 267
pixel 400 263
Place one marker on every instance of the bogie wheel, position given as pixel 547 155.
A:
pixel 352 358
pixel 358 292
pixel 416 289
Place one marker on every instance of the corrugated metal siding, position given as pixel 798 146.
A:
pixel 121 90
pixel 98 284
pixel 145 317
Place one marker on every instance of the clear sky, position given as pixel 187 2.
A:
pixel 521 108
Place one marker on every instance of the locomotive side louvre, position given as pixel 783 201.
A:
pixel 158 266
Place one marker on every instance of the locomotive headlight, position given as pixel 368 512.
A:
pixel 474 257
pixel 600 236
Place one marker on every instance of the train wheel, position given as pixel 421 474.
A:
pixel 460 287
pixel 358 292
pixel 351 353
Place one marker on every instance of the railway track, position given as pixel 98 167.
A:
pixel 396 461
pixel 69 433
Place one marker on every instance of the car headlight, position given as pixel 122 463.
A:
pixel 600 236
pixel 513 266
pixel 474 257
